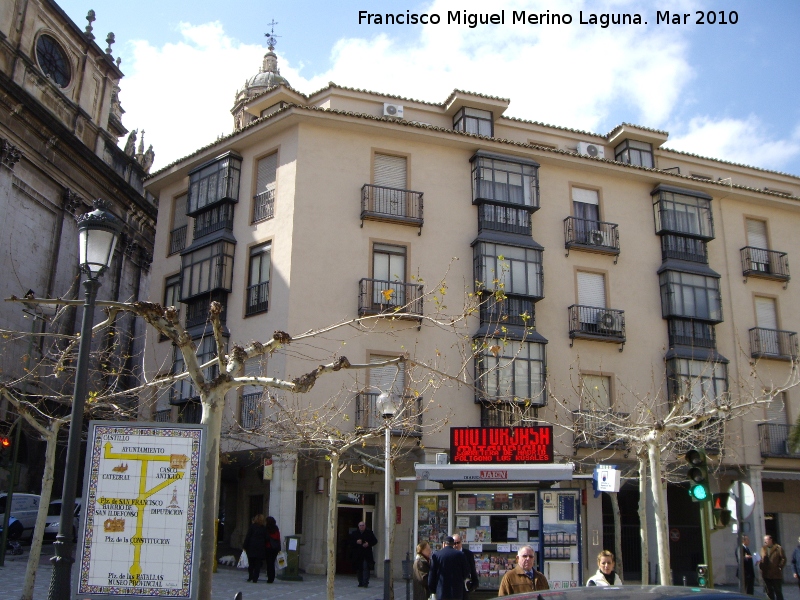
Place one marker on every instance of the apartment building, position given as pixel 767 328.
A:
pixel 629 272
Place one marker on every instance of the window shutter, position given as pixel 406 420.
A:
pixel 390 171
pixel 180 218
pixel 387 378
pixel 591 289
pixel 585 196
pixel 757 234
pixel 776 410
pixel 267 169
pixel 766 315
pixel 252 368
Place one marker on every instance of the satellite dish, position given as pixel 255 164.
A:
pixel 748 496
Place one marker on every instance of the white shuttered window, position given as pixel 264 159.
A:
pixel 267 173
pixel 766 313
pixel 391 171
pixel 591 289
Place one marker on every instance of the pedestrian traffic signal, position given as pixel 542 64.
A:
pixel 722 516
pixel 698 476
pixel 702 575
pixel 5 448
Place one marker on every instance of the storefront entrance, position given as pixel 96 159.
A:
pixel 348 517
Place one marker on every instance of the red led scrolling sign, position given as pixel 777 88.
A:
pixel 501 444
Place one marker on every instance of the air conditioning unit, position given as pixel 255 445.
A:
pixel 607 321
pixel 589 149
pixel 598 238
pixel 442 458
pixel 392 110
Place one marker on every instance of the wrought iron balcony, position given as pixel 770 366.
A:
pixel 214 219
pixel 163 416
pixel 177 239
pixel 773 343
pixel 409 421
pixel 508 414
pixel 389 297
pixel 257 299
pixel 197 309
pixel 691 219
pixel 250 411
pixel 767 264
pixel 594 323
pixel 380 203
pixel 508 219
pixel 263 206
pixel 684 248
pixel 591 235
pixel 511 310
pixel 774 440
pixel 687 332
pixel 598 428
pixel 191 412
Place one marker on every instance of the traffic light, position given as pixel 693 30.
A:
pixel 698 476
pixel 722 516
pixel 702 575
pixel 5 449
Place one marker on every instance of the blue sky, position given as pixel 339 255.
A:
pixel 724 91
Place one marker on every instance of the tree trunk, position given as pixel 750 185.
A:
pixel 659 509
pixel 643 520
pixel 617 530
pixel 213 405
pixel 330 551
pixel 41 516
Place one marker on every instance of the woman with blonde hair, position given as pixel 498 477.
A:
pixel 605 571
pixel 422 565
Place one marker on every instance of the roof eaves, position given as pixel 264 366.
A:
pixel 560 128
pixel 457 91
pixel 332 85
pixel 733 164
pixel 621 125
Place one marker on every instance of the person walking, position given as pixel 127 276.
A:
pixel 796 562
pixel 362 540
pixel 523 577
pixel 772 562
pixel 606 575
pixel 449 571
pixel 273 546
pixel 421 568
pixel 749 565
pixel 471 583
pixel 255 544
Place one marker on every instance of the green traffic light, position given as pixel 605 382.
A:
pixel 698 492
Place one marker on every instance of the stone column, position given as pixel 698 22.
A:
pixel 283 491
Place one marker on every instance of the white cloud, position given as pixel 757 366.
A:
pixel 570 75
pixel 737 140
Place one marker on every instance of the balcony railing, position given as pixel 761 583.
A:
pixel 250 411
pixel 197 309
pixel 380 203
pixel 257 298
pixel 377 297
pixel 163 416
pixel 177 239
pixel 409 421
pixel 263 206
pixel 598 428
pixel 592 322
pixel 684 248
pixel 509 311
pixel 768 264
pixel 688 219
pixel 686 332
pixel 191 412
pixel 507 219
pixel 774 440
pixel 214 219
pixel 591 235
pixel 507 414
pixel 773 343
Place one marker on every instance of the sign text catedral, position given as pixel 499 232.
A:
pixel 142 496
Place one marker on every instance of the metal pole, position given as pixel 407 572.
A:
pixel 739 528
pixel 705 507
pixel 60 583
pixel 387 562
pixel 10 495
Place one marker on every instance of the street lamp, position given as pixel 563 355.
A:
pixel 97 234
pixel 387 406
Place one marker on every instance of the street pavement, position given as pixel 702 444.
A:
pixel 227 581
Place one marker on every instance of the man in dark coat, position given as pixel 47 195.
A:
pixel 472 584
pixel 361 542
pixel 749 570
pixel 448 572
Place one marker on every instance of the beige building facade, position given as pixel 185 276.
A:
pixel 648 273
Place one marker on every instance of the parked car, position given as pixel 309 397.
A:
pixel 54 519
pixel 633 592
pixel 24 508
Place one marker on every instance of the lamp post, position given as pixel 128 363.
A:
pixel 97 235
pixel 387 408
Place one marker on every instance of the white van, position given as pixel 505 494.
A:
pixel 24 507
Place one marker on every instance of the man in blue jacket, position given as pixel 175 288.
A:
pixel 448 571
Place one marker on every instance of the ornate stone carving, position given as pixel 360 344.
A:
pixel 70 201
pixel 88 31
pixel 10 155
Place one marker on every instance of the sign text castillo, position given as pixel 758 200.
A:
pixel 501 444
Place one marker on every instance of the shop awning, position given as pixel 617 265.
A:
pixel 780 475
pixel 494 472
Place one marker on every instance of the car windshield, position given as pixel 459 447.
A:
pixel 54 510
